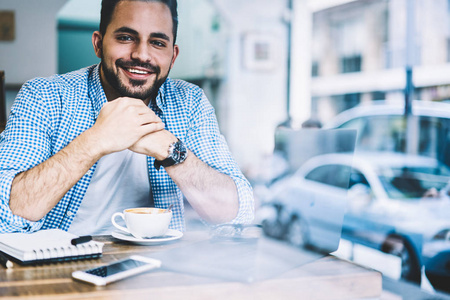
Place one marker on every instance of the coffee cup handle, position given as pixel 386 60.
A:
pixel 113 220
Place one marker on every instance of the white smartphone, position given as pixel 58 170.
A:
pixel 117 270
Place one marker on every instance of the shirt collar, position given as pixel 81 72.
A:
pixel 161 99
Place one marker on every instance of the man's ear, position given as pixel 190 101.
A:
pixel 97 42
pixel 176 51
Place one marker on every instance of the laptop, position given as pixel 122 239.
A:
pixel 250 253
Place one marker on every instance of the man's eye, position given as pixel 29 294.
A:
pixel 158 43
pixel 124 38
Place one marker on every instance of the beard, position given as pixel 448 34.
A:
pixel 137 89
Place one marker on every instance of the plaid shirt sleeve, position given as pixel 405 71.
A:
pixel 23 144
pixel 209 145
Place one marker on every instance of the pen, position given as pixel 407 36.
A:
pixel 81 240
pixel 5 262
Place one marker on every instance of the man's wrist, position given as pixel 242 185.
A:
pixel 177 154
pixel 163 153
pixel 90 145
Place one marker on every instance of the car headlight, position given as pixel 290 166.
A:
pixel 443 235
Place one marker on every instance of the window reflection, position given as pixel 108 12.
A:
pixel 414 182
pixel 388 133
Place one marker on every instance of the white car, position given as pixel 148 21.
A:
pixel 392 203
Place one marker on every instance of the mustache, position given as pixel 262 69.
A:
pixel 129 64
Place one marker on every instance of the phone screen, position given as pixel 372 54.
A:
pixel 116 268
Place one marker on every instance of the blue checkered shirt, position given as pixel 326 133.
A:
pixel 49 113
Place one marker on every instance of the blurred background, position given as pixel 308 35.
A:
pixel 274 69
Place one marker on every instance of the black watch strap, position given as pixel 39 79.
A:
pixel 165 163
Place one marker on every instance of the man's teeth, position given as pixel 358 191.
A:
pixel 135 71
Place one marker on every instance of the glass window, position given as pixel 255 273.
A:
pixel 357 177
pixel 320 174
pixel 388 133
pixel 335 175
pixel 414 182
pixel 448 49
pixel 351 64
pixel 314 69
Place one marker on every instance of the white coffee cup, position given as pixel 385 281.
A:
pixel 144 222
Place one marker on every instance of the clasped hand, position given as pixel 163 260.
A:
pixel 127 123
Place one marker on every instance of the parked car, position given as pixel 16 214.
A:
pixel 381 126
pixel 392 204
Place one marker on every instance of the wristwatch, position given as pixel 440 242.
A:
pixel 177 154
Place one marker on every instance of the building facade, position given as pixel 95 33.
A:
pixel 360 50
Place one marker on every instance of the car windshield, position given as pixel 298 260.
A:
pixel 414 182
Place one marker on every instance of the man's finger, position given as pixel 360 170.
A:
pixel 153 127
pixel 148 118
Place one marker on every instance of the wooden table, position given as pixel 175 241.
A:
pixel 325 278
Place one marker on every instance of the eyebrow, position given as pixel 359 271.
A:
pixel 125 29
pixel 160 35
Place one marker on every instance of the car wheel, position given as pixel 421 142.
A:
pixel 298 232
pixel 410 268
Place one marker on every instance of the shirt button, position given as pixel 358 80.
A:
pixel 69 213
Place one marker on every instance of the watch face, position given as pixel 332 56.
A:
pixel 179 152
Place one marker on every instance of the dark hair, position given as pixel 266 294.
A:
pixel 108 7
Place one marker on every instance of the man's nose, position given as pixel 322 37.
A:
pixel 141 52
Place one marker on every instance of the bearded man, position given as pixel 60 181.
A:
pixel 80 146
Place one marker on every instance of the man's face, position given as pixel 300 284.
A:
pixel 137 50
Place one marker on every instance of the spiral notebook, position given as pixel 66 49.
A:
pixel 46 246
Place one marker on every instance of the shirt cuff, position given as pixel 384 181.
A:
pixel 8 221
pixel 246 211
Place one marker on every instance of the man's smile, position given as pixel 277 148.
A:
pixel 137 73
pixel 136 70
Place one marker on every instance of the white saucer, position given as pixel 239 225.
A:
pixel 170 235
